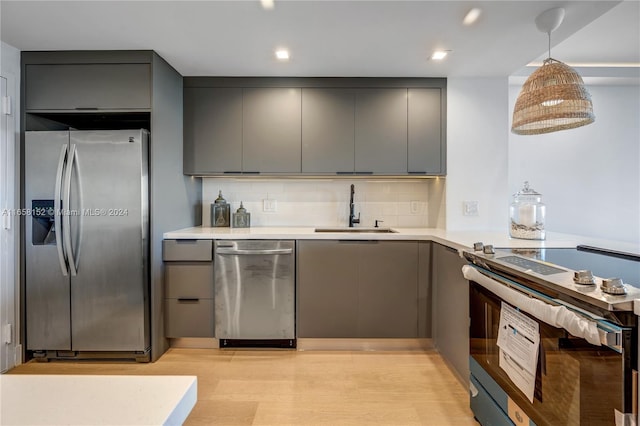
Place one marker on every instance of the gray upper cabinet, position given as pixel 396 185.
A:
pixel 212 130
pixel 314 126
pixel 381 131
pixel 271 130
pixel 328 130
pixel 80 87
pixel 425 141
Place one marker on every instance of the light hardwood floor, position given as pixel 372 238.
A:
pixel 280 387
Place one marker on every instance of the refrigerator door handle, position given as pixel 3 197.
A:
pixel 76 162
pixel 57 194
pixel 67 217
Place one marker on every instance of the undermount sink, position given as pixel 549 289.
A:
pixel 358 230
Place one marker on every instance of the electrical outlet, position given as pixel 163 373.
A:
pixel 470 208
pixel 414 206
pixel 269 205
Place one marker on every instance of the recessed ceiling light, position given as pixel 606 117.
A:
pixel 472 16
pixel 439 55
pixel 267 4
pixel 282 54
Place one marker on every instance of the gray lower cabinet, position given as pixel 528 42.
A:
pixel 388 289
pixel 212 130
pixel 357 289
pixel 271 130
pixel 87 87
pixel 425 305
pixel 425 142
pixel 327 289
pixel 451 309
pixel 189 292
pixel 328 130
pixel 381 131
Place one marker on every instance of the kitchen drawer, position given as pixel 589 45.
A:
pixel 189 318
pixel 189 279
pixel 187 250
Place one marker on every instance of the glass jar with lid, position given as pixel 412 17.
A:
pixel 527 212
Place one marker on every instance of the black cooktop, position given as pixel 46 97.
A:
pixel 602 262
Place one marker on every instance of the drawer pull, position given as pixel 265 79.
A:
pixel 188 300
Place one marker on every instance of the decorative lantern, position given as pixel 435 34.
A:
pixel 241 218
pixel 220 212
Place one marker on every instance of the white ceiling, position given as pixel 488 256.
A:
pixel 330 38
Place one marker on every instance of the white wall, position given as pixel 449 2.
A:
pixel 590 176
pixel 477 139
pixel 10 353
pixel 314 202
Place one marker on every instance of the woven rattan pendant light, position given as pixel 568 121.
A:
pixel 553 97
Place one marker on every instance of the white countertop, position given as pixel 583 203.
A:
pixel 95 400
pixel 456 239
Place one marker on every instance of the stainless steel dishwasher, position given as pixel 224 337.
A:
pixel 255 293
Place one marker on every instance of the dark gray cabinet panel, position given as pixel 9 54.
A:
pixel 328 130
pixel 189 318
pixel 424 290
pixel 88 86
pixel 317 126
pixel 381 131
pixel 424 133
pixel 357 289
pixel 388 289
pixel 189 280
pixel 212 130
pixel 451 309
pixel 327 289
pixel 271 130
pixel 189 292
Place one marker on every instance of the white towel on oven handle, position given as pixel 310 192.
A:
pixel 556 316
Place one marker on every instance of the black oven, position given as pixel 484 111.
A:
pixel 584 377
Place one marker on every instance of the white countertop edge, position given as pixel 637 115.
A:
pixel 51 399
pixel 456 239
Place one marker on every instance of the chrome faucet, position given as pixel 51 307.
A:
pixel 352 216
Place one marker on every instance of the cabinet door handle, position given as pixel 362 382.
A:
pixel 188 300
pixel 417 173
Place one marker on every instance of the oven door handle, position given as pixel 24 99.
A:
pixel 594 330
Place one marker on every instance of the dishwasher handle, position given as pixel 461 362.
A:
pixel 235 252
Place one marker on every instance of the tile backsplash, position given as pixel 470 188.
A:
pixel 321 202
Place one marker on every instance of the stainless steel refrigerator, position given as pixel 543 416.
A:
pixel 86 244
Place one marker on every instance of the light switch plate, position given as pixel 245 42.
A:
pixel 269 205
pixel 470 208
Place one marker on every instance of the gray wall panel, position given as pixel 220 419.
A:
pixel 175 198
